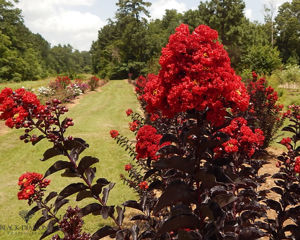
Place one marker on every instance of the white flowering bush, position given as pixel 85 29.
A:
pixel 45 92
pixel 74 90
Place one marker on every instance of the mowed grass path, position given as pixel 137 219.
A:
pixel 95 115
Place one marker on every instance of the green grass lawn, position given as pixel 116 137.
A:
pixel 95 115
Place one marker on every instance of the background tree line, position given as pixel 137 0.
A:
pixel 28 56
pixel 131 43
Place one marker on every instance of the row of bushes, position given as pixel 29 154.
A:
pixel 195 165
pixel 65 89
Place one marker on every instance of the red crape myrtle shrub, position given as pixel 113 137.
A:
pixel 94 82
pixel 205 178
pixel 61 82
pixel 203 185
pixel 264 111
pixel 287 181
pixel 195 75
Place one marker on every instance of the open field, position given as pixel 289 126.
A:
pixel 95 115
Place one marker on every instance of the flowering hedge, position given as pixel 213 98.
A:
pixel 192 165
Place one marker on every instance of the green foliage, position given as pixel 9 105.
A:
pixel 288 31
pixel 262 58
pixel 291 74
pixel 28 56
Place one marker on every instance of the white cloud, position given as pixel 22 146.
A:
pixel 158 8
pixel 58 22
pixel 248 13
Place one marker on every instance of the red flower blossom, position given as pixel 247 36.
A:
pixel 26 193
pixel 195 74
pixel 31 184
pixel 297 164
pixel 242 138
pixel 129 111
pixel 114 133
pixel 286 141
pixel 16 105
pixel 128 167
pixel 148 143
pixel 143 185
pixel 133 125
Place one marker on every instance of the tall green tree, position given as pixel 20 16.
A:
pixel 225 16
pixel 287 24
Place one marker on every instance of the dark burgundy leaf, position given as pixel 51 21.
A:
pixel 274 205
pixel 169 149
pixel 106 192
pixel 175 192
pixel 147 235
pixel 50 229
pixel 70 173
pixel 90 174
pixel 176 162
pixel 207 180
pixel 248 215
pixel 135 232
pixel 294 229
pixel 83 194
pixel 120 217
pixel 31 212
pixel 57 166
pixel 140 218
pixel 168 138
pixel 50 196
pixel 59 204
pixel 180 221
pixel 250 233
pixel 71 189
pixel 277 190
pixel 51 152
pixel 190 235
pixel 75 143
pixel 289 129
pixel 280 175
pixel 150 173
pixel 133 204
pixel 93 207
pixel 40 221
pixel 156 185
pixel 107 211
pixel 224 199
pixel 103 232
pixel 38 139
pixel 86 162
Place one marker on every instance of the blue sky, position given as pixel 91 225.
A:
pixel 78 21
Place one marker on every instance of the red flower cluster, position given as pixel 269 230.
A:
pixel 286 142
pixel 143 185
pixel 134 125
pixel 114 133
pixel 242 138
pixel 61 82
pixel 263 96
pixel 129 111
pixel 297 164
pixel 195 74
pixel 128 167
pixel 148 143
pixel 140 85
pixel 16 105
pixel 31 185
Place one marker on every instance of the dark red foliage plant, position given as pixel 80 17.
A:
pixel 264 109
pixel 192 165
